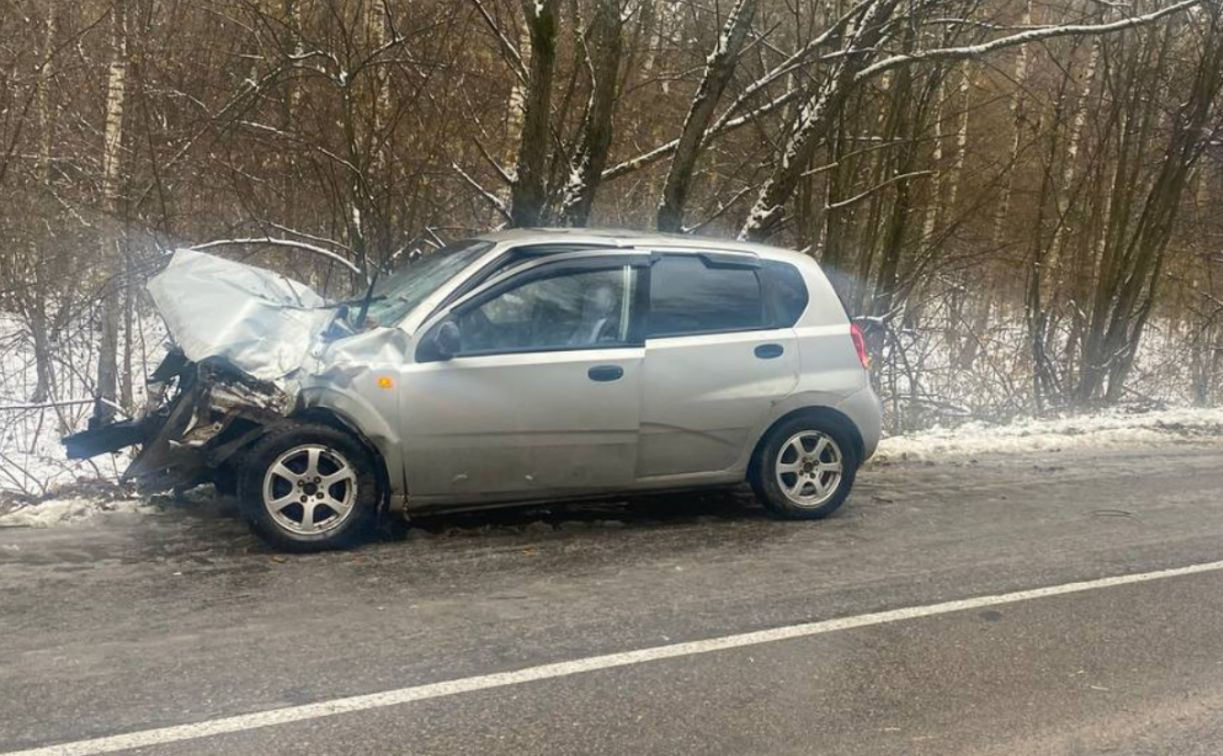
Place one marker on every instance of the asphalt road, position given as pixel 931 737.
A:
pixel 151 622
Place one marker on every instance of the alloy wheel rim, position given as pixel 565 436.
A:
pixel 809 468
pixel 310 489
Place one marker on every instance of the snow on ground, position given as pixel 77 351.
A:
pixel 32 461
pixel 1106 429
pixel 71 511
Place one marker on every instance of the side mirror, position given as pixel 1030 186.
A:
pixel 447 340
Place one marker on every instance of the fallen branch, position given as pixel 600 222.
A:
pixel 280 243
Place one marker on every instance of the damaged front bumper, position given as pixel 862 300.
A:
pixel 213 410
pixel 244 339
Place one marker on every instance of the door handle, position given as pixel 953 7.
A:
pixel 604 373
pixel 769 351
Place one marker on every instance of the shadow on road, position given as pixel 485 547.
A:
pixel 638 511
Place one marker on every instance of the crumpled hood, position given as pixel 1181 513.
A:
pixel 261 321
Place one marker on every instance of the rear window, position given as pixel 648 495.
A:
pixel 688 295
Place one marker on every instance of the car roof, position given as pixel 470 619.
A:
pixel 628 238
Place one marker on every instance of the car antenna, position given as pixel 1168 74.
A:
pixel 369 296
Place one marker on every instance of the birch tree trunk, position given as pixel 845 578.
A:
pixel 36 310
pixel 45 118
pixel 1071 160
pixel 946 187
pixel 515 114
pixel 961 138
pixel 1020 75
pixel 109 257
pixel 936 161
pixel 376 16
pixel 293 9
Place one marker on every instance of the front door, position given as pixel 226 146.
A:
pixel 542 397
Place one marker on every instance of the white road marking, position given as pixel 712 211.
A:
pixel 289 714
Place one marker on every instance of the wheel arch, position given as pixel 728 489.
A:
pixel 819 412
pixel 334 419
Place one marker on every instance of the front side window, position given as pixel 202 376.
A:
pixel 569 309
pixel 689 295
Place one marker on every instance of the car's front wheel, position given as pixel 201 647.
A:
pixel 308 487
pixel 806 467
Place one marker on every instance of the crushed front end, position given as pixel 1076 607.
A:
pixel 249 348
pixel 198 415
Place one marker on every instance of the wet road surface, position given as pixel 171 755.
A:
pixel 148 622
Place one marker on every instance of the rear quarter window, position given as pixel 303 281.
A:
pixel 786 291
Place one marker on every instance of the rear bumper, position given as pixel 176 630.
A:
pixel 866 412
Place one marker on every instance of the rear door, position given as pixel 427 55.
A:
pixel 716 359
pixel 543 397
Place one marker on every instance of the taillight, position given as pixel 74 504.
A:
pixel 859 340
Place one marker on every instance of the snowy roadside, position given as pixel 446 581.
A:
pixel 32 460
pixel 1117 428
pixel 73 510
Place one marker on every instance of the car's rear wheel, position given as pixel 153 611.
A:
pixel 806 467
pixel 308 487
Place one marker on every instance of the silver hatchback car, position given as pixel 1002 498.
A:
pixel 514 367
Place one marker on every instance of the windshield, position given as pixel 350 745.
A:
pixel 398 294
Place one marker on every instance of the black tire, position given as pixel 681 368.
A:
pixel 225 481
pixel 338 452
pixel 764 477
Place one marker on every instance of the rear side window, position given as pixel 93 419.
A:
pixel 689 295
pixel 787 290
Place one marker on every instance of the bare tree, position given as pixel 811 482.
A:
pixel 590 157
pixel 528 195
pixel 1135 255
pixel 1019 191
pixel 719 67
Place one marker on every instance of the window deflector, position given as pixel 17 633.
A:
pixel 514 258
pixel 729 260
pixel 713 258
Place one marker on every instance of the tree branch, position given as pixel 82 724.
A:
pixel 511 51
pixel 1022 38
pixel 492 199
pixel 875 188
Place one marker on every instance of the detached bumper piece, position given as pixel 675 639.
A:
pixel 215 410
pixel 108 438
